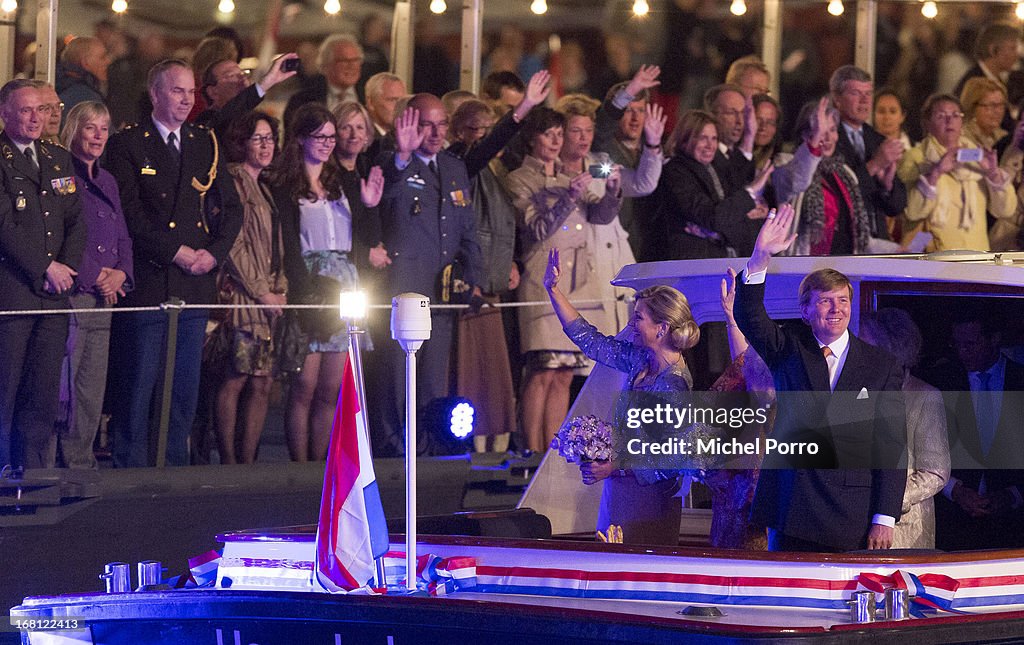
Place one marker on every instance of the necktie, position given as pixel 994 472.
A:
pixel 432 166
pixel 832 361
pixel 31 157
pixel 858 143
pixel 716 182
pixel 984 410
pixel 172 145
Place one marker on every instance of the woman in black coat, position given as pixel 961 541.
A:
pixel 701 214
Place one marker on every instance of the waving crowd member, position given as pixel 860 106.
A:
pixel 556 209
pixel 317 222
pixel 641 501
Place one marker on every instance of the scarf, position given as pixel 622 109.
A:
pixel 812 208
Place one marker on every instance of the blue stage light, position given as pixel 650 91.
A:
pixel 461 419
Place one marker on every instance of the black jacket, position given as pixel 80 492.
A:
pixel 163 210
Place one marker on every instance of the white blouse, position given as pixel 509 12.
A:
pixel 325 226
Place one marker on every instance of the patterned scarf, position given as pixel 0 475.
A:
pixel 812 208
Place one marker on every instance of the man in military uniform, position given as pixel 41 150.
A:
pixel 183 214
pixel 428 222
pixel 41 242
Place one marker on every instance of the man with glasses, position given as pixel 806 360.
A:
pixel 872 157
pixel 51 127
pixel 341 63
pixel 41 242
pixel 183 214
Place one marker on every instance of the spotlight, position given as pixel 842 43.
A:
pixel 836 8
pixel 332 7
pixel 352 305
pixel 117 6
pixel 9 6
pixel 929 10
pixel 1019 11
pixel 461 420
pixel 738 7
pixel 539 7
pixel 226 6
pixel 640 7
pixel 438 6
pixel 448 425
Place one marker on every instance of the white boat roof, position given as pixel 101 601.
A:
pixel 700 280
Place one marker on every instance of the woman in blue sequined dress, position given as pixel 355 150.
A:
pixel 641 501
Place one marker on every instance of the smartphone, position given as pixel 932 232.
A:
pixel 600 170
pixel 291 65
pixel 969 154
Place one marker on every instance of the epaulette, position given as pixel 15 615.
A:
pixel 129 127
pixel 56 144
pixel 199 125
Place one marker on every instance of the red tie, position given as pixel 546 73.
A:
pixel 826 351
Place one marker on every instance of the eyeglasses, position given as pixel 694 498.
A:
pixel 735 114
pixel 757 89
pixel 323 138
pixel 56 107
pixel 260 139
pixel 992 106
pixel 948 116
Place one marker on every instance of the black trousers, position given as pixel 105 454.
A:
pixel 31 351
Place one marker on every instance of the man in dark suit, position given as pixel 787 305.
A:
pixel 737 126
pixel 41 242
pixel 428 222
pixel 183 214
pixel 996 57
pixel 981 505
pixel 849 495
pixel 341 63
pixel 872 157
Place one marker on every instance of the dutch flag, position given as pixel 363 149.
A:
pixel 351 531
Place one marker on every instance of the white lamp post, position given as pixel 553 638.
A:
pixel 410 326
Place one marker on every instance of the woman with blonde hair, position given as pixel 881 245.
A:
pixel 104 275
pixel 984 104
pixel 641 501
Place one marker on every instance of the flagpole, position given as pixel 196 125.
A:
pixel 355 352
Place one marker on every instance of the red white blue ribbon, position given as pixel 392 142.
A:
pixel 436 575
pixel 928 591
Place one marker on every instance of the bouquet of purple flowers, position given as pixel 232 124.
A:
pixel 584 439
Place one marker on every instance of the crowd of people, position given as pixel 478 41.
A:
pixel 209 198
